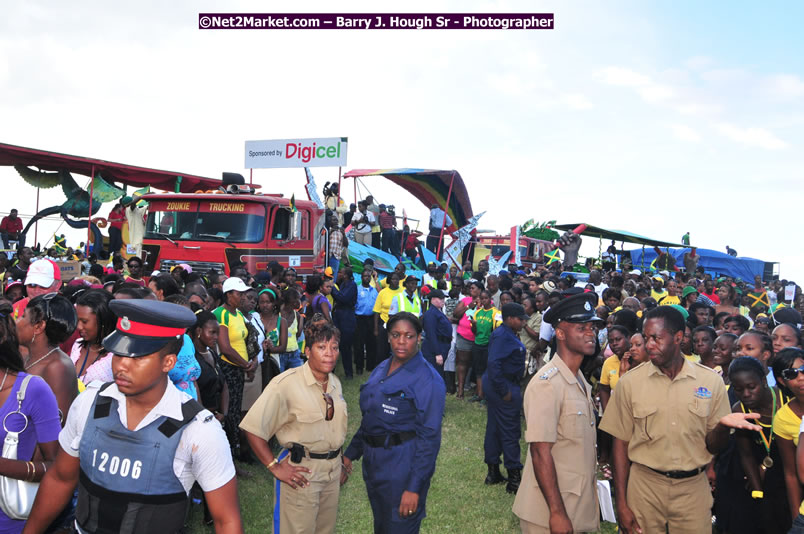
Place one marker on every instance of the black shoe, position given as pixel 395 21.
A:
pixel 494 476
pixel 514 478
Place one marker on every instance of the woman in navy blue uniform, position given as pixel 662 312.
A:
pixel 402 404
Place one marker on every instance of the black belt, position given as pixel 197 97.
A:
pixel 679 474
pixel 324 455
pixel 389 440
pixel 298 451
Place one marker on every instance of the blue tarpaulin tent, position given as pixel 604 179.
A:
pixel 714 262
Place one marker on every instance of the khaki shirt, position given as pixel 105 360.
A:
pixel 292 407
pixel 665 421
pixel 559 411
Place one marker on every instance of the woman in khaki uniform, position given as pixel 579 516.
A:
pixel 304 408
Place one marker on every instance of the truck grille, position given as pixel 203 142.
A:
pixel 201 267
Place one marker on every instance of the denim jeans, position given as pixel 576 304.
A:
pixel 798 525
pixel 335 263
pixel 289 360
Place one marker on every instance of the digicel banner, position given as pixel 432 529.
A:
pixel 284 153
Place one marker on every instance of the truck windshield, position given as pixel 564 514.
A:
pixel 234 222
pixel 498 250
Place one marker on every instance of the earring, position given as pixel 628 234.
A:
pixel 33 338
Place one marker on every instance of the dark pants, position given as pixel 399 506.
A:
pixel 480 359
pixel 439 368
pixel 386 472
pixel 503 426
pixel 20 239
pixel 344 319
pixel 388 241
pixel 383 348
pixel 235 380
pixel 365 343
pixel 115 240
pixel 376 239
pixel 432 239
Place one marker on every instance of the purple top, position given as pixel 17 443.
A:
pixel 43 426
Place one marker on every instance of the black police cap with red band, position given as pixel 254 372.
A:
pixel 146 326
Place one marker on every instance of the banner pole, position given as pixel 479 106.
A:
pixel 89 216
pixel 444 220
pixel 36 225
pixel 338 202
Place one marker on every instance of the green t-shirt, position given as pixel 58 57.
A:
pixel 486 321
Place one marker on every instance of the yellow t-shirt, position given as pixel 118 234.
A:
pixel 610 374
pixel 237 331
pixel 384 282
pixel 658 295
pixel 787 425
pixel 668 300
pixel 383 302
pixel 694 358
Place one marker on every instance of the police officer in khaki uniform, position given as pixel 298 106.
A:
pixel 304 408
pixel 668 417
pixel 558 493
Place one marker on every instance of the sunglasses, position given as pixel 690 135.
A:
pixel 791 374
pixel 330 407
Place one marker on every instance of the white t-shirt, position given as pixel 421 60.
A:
pixel 546 331
pixel 203 453
pixel 358 217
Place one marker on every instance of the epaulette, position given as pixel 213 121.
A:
pixel 285 374
pixel 547 374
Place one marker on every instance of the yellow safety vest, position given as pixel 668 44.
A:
pixel 403 304
pixel 434 284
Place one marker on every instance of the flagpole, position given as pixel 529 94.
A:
pixel 89 216
pixel 444 219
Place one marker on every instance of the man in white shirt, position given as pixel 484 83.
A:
pixel 362 221
pixel 113 430
pixel 437 216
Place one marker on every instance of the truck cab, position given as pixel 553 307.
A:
pixel 215 230
pixel 531 250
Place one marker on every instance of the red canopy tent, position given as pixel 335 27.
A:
pixel 129 175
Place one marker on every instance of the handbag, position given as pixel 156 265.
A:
pixel 16 496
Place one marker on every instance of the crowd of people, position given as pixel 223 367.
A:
pixel 681 388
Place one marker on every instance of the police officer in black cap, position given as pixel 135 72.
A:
pixel 504 397
pixel 137 445
pixel 558 490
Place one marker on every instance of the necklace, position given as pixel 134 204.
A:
pixel 54 349
pixel 767 462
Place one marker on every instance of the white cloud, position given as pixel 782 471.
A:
pixel 577 101
pixel 698 62
pixel 645 86
pixel 757 137
pixel 685 133
pixel 624 77
pixel 725 76
pixel 786 86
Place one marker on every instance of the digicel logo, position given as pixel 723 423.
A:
pixel 308 153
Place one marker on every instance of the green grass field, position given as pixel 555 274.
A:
pixel 458 500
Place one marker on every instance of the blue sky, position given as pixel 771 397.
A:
pixel 653 117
